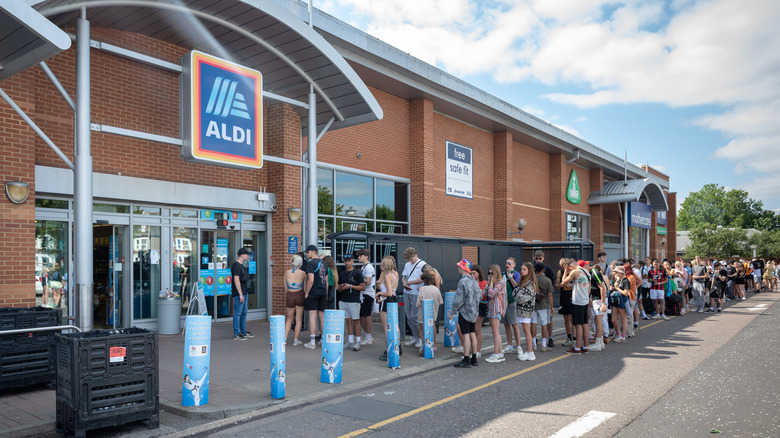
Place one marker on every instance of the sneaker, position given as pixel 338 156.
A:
pixel 249 335
pixel 620 339
pixel 710 310
pixel 550 343
pixel 367 341
pixel 522 356
pixel 239 338
pixel 319 342
pixel 530 356
pixel 720 310
pixel 418 344
pixel 410 342
pixel 728 299
pixel 636 325
pixel 297 343
pixel 356 346
pixel 584 350
pixel 568 343
pixel 545 349
pixel 310 345
pixel 682 312
pixel 495 358
pixel 465 363
pixel 350 346
pixel 665 318
pixel 508 349
pixel 458 349
pixel 743 298
pixel 573 351
pixel 645 317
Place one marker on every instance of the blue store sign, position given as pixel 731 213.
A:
pixel 639 215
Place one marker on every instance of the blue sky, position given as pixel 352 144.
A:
pixel 690 87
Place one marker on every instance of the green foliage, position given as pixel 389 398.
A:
pixel 713 241
pixel 767 244
pixel 715 205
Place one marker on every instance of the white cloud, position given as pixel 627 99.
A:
pixel 581 119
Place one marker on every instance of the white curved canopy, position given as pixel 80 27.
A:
pixel 632 190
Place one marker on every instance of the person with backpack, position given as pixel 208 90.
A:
pixel 622 288
pixel 466 304
pixel 577 276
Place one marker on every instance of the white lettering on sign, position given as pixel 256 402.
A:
pixel 638 219
pixel 220 132
pixel 458 171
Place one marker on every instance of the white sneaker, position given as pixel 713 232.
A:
pixel 530 356
pixel 410 342
pixel 664 317
pixel 508 349
pixel 310 345
pixel 367 341
pixel 495 358
pixel 297 343
pixel 743 298
pixel 568 343
pixel 682 312
pixel 522 356
pixel 656 316
pixel 458 349
pixel 418 344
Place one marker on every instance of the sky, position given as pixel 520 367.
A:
pixel 690 87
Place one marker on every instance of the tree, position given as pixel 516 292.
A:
pixel 713 241
pixel 715 205
pixel 767 244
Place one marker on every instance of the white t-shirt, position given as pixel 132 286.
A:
pixel 413 271
pixel 369 271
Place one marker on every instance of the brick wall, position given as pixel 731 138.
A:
pixel 596 211
pixel 558 181
pixel 531 192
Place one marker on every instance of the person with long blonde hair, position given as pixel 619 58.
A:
pixel 496 293
pixel 388 284
pixel 526 301
pixel 293 283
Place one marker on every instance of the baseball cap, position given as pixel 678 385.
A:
pixel 243 251
pixel 311 248
pixel 465 265
pixel 582 263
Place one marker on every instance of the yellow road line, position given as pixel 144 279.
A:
pixel 467 392
pixel 451 398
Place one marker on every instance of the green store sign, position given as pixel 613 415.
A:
pixel 573 193
pixel 661 231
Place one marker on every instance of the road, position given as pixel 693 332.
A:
pixel 684 377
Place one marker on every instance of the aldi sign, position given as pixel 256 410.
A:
pixel 222 120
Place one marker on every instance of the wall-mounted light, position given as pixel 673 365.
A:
pixel 17 191
pixel 294 214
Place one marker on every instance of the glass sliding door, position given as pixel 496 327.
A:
pixel 217 253
pixel 146 271
pixel 254 242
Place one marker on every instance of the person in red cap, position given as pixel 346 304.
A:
pixel 577 275
pixel 466 303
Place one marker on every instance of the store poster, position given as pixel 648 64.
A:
pixel 224 279
pixel 332 347
pixel 393 337
pixel 460 164
pixel 278 366
pixel 450 330
pixel 197 357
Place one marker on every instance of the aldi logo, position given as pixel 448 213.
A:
pixel 221 112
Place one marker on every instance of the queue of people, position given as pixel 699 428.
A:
pixel 600 302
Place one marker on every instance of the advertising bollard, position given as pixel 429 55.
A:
pixel 428 328
pixel 450 336
pixel 197 357
pixel 278 368
pixel 393 337
pixel 332 346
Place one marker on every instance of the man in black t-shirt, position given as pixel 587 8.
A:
pixel 548 272
pixel 758 272
pixel 239 290
pixel 351 284
pixel 315 293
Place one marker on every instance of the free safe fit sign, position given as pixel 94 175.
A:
pixel 460 180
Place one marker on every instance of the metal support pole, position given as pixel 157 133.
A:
pixel 311 210
pixel 625 230
pixel 83 180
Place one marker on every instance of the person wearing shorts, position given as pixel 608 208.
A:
pixel 315 293
pixel 466 305
pixel 565 308
pixel 577 276
pixel 293 284
pixel 658 278
pixel 509 319
pixel 543 307
pixel 598 295
pixel 351 285
pixel 718 290
pixel 367 308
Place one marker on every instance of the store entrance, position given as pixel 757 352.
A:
pixel 218 252
pixel 111 306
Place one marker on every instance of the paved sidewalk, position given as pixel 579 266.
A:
pixel 239 378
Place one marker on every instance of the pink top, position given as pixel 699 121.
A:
pixel 496 299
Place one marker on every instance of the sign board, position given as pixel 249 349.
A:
pixel 197 358
pixel 292 244
pixel 660 218
pixel 661 230
pixel 460 178
pixel 573 193
pixel 221 112
pixel 639 215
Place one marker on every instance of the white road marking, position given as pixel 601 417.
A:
pixel 584 424
pixel 758 307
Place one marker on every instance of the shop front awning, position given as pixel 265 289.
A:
pixel 259 34
pixel 632 190
pixel 26 38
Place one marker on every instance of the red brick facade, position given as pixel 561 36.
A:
pixel 510 180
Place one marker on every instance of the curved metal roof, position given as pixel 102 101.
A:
pixel 259 34
pixel 632 190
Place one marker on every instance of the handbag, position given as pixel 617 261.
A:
pixel 540 296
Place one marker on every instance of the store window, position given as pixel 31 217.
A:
pixel 638 238
pixel 185 274
pixel 146 271
pixel 51 263
pixel 577 226
pixel 350 202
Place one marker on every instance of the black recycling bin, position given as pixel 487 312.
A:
pixel 107 378
pixel 27 358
